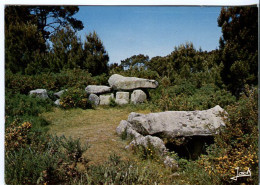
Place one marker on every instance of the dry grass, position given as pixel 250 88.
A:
pixel 96 127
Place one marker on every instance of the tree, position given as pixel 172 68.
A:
pixel 135 61
pixel 48 19
pixel 66 51
pixel 22 43
pixel 26 30
pixel 52 18
pixel 95 56
pixel 238 47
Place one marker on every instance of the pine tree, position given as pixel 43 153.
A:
pixel 238 47
pixel 95 56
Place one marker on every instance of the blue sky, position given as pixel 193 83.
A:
pixel 152 31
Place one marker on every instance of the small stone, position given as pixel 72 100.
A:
pixel 40 93
pixel 94 99
pixel 57 102
pixel 58 94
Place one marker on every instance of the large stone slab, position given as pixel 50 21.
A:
pixel 97 89
pixel 172 124
pixel 119 82
pixel 122 98
pixel 40 93
pixel 105 99
pixel 138 96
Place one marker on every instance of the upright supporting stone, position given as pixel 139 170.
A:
pixel 94 99
pixel 138 96
pixel 122 98
pixel 105 99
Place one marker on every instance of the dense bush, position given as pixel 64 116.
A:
pixel 32 158
pixel 236 146
pixel 51 81
pixel 52 160
pixel 22 108
pixel 75 97
pixel 187 97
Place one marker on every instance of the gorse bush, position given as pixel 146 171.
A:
pixel 236 146
pixel 50 160
pixel 75 97
pixel 16 136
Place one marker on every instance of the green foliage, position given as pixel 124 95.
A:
pixel 46 18
pixel 187 97
pixel 75 97
pixel 23 43
pixel 124 134
pixel 18 105
pixel 66 51
pixel 18 83
pixel 95 56
pixel 238 47
pixel 112 102
pixel 136 61
pixel 236 145
pixel 24 108
pixel 50 160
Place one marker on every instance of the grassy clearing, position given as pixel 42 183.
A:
pixel 96 127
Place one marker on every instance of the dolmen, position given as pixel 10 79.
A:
pixel 169 125
pixel 122 90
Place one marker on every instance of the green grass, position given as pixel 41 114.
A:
pixel 97 127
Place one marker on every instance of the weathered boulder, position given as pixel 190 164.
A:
pixel 57 102
pixel 125 126
pixel 118 82
pixel 122 98
pixel 58 94
pixel 94 99
pixel 144 140
pixel 172 124
pixel 97 89
pixel 105 99
pixel 138 96
pixel 40 93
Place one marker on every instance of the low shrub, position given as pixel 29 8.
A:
pixel 117 171
pixel 79 78
pixel 237 145
pixel 112 102
pixel 185 97
pixel 75 97
pixel 48 159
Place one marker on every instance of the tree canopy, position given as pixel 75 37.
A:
pixel 238 46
